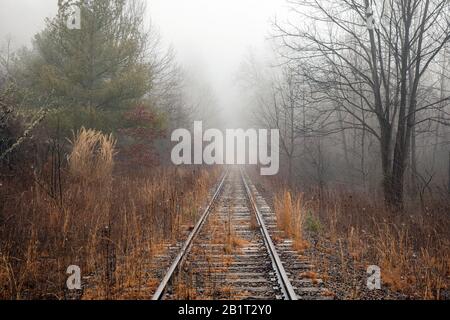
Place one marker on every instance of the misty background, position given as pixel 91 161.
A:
pixel 358 90
pixel 210 39
pixel 272 64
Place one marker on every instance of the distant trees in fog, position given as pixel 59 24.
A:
pixel 96 76
pixel 363 72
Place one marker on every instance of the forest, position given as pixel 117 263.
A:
pixel 359 91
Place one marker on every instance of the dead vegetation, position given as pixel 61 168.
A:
pixel 110 224
pixel 291 215
pixel 346 231
pixel 412 248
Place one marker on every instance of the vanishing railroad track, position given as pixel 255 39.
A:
pixel 230 253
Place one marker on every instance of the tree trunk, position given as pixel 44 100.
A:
pixel 385 145
pixel 397 182
pixel 414 188
pixel 290 173
pixel 449 173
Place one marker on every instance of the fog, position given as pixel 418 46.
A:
pixel 212 41
pixel 21 19
pixel 210 38
pixel 113 140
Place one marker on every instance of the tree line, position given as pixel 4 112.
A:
pixel 114 74
pixel 365 80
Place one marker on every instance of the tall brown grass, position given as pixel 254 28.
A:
pixel 354 228
pixel 290 214
pixel 92 155
pixel 103 218
pixel 411 248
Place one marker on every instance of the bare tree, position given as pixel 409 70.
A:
pixel 383 64
pixel 279 100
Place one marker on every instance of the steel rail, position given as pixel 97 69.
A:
pixel 283 280
pixel 159 293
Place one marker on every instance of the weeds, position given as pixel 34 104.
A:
pixel 411 248
pixel 312 223
pixel 40 236
pixel 291 218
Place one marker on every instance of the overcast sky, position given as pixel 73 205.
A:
pixel 209 36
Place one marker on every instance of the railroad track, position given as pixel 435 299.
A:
pixel 230 253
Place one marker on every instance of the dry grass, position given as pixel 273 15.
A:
pixel 91 159
pixel 352 230
pixel 313 276
pixel 291 217
pixel 109 224
pixel 411 248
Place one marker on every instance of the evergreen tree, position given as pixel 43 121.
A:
pixel 100 65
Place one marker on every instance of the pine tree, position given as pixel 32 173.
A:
pixel 100 65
